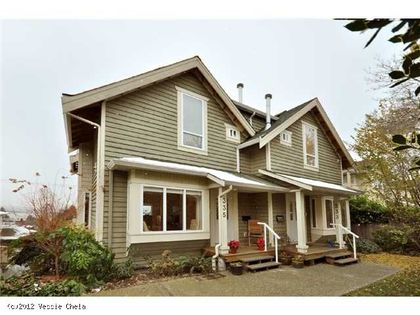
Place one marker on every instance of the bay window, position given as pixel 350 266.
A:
pixel 169 210
pixel 310 146
pixel 192 121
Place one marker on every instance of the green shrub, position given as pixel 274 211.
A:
pixel 84 257
pixel 62 288
pixel 23 285
pixel 364 210
pixel 122 271
pixel 27 285
pixel 365 246
pixel 391 239
pixel 169 266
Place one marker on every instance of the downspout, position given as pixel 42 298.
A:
pixel 110 207
pixel 238 160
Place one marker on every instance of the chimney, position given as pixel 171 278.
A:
pixel 240 87
pixel 268 111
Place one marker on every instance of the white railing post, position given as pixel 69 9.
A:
pixel 276 238
pixel 354 247
pixel 265 237
pixel 276 249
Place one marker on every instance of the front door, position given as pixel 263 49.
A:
pixel 291 218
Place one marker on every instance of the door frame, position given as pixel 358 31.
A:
pixel 291 222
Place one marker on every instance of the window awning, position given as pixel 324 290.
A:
pixel 310 184
pixel 222 178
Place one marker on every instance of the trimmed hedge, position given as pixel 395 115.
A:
pixel 364 210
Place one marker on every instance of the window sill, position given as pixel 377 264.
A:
pixel 192 150
pixel 156 237
pixel 312 168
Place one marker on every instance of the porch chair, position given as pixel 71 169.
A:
pixel 255 230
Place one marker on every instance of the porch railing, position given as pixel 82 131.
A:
pixel 276 239
pixel 340 228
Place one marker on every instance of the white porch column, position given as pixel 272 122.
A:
pixel 339 220
pixel 300 222
pixel 270 215
pixel 222 202
pixel 348 213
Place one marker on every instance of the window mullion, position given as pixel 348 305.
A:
pixel 164 210
pixel 184 210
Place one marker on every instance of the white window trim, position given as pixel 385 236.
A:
pixel 287 143
pixel 324 210
pixel 164 211
pixel 236 139
pixel 307 166
pixel 204 100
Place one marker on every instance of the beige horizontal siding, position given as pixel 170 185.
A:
pixel 253 205
pixel 119 214
pixel 140 252
pixel 279 208
pixel 289 160
pixel 144 123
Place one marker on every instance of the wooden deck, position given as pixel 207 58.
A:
pixel 315 251
pixel 243 252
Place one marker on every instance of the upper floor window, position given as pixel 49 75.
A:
pixel 286 138
pixel 192 121
pixel 310 145
pixel 232 133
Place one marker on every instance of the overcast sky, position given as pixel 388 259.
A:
pixel 294 60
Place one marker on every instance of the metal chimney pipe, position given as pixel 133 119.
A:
pixel 268 111
pixel 240 87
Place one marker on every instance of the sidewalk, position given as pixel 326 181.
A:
pixel 318 280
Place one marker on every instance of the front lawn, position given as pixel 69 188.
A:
pixel 404 283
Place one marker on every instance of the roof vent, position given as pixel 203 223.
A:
pixel 240 87
pixel 268 111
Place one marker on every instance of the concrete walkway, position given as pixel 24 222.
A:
pixel 318 280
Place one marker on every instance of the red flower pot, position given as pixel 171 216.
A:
pixel 233 250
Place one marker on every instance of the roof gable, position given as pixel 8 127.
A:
pixel 287 118
pixel 110 91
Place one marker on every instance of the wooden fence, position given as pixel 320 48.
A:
pixel 365 230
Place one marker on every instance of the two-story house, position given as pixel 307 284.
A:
pixel 167 160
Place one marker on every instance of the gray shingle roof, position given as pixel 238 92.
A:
pixel 281 118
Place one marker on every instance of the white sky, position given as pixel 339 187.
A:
pixel 293 59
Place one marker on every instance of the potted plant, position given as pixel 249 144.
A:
pixel 260 244
pixel 236 268
pixel 233 246
pixel 298 261
pixel 285 258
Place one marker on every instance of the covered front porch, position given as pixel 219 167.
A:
pixel 308 218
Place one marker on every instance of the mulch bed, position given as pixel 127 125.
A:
pixel 144 276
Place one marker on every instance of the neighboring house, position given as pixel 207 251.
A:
pixel 167 160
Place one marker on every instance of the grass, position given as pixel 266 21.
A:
pixel 404 283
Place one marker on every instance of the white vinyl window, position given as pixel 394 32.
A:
pixel 286 138
pixel 310 146
pixel 192 121
pixel 232 133
pixel 329 213
pixel 171 209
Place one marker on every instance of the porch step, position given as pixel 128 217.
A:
pixel 335 255
pixel 253 259
pixel 345 261
pixel 263 266
pixel 340 258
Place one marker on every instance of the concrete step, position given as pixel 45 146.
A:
pixel 253 259
pixel 263 266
